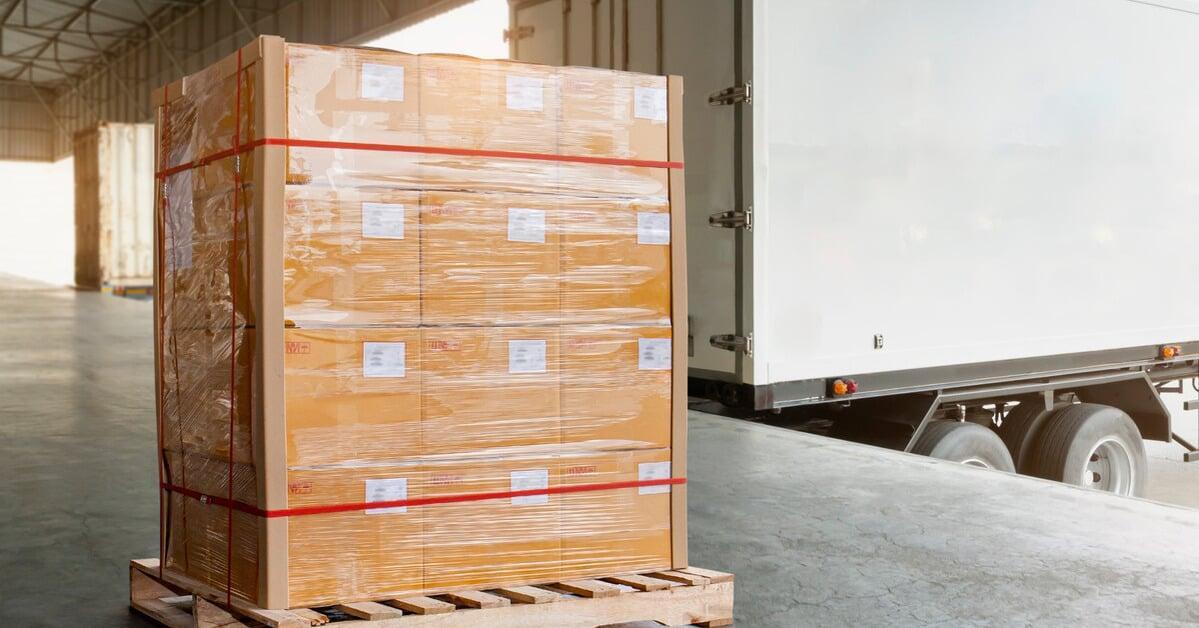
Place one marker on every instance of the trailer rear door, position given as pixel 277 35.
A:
pixel 702 41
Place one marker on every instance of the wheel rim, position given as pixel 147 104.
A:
pixel 976 462
pixel 1109 468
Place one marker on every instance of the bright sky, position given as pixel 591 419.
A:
pixel 475 29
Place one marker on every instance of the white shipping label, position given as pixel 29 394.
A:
pixel 653 228
pixel 526 225
pixel 524 93
pixel 649 103
pixel 531 480
pixel 526 356
pixel 386 490
pixel 653 354
pixel 383 359
pixel 382 82
pixel 383 220
pixel 653 471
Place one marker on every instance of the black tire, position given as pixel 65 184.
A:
pixel 967 443
pixel 1020 428
pixel 1065 444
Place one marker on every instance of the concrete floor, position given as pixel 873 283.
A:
pixel 819 532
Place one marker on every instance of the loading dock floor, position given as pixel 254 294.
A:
pixel 819 532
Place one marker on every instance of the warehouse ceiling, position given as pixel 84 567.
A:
pixel 67 64
pixel 48 42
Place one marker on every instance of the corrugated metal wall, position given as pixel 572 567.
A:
pixel 119 89
pixel 27 131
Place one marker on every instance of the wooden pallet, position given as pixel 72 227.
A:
pixel 691 596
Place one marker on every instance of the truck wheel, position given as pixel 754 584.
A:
pixel 968 443
pixel 1093 446
pixel 1019 431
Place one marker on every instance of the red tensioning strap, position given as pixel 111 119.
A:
pixel 423 501
pixel 405 148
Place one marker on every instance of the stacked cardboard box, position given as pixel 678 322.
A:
pixel 439 282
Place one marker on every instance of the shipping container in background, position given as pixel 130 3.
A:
pixel 114 207
pixel 907 214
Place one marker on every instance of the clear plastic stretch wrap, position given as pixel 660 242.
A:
pixel 418 324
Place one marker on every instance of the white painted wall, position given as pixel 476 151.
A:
pixel 37 220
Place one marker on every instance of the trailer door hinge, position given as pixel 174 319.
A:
pixel 733 219
pixel 520 32
pixel 731 342
pixel 743 93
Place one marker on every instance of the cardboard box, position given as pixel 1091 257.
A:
pixel 480 105
pixel 352 395
pixel 353 95
pixel 203 279
pixel 352 256
pixel 489 259
pixel 490 390
pixel 358 555
pixel 616 387
pixel 196 410
pixel 195 117
pixel 615 261
pixel 615 530
pixel 198 532
pixel 522 542
pixel 606 113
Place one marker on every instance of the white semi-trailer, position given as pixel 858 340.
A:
pixel 966 227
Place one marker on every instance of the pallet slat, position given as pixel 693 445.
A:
pixel 477 599
pixel 209 615
pixel 369 610
pixel 312 616
pixel 678 576
pixel 590 588
pixel 712 576
pixel 528 595
pixel 421 605
pixel 642 583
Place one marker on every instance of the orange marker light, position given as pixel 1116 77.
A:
pixel 1169 351
pixel 840 387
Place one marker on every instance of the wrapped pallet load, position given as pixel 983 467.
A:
pixel 421 324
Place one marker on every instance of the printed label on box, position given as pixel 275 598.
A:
pixel 383 220
pixel 383 359
pixel 524 93
pixel 653 471
pixel 653 228
pixel 526 356
pixel 653 354
pixel 649 103
pixel 531 480
pixel 382 82
pixel 526 225
pixel 386 490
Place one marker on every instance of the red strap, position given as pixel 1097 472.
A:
pixel 423 501
pixel 406 148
